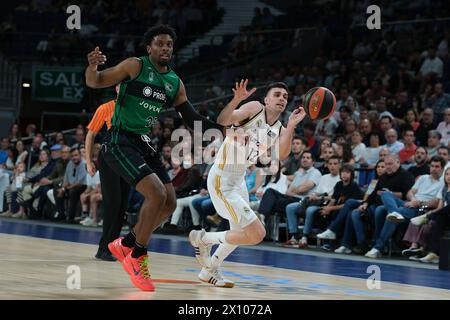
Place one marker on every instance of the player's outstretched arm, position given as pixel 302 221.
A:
pixel 188 113
pixel 128 68
pixel 229 115
pixel 288 133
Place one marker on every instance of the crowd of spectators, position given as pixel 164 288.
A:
pixel 354 180
pixel 39 27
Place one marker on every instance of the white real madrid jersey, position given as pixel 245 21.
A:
pixel 248 142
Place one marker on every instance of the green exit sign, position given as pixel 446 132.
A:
pixel 58 84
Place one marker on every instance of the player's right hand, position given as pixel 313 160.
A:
pixel 91 168
pixel 95 58
pixel 240 90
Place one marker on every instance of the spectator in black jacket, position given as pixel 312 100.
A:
pixel 395 179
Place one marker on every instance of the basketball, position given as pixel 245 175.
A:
pixel 319 103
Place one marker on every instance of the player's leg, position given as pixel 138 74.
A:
pixel 231 206
pixel 170 204
pixel 125 155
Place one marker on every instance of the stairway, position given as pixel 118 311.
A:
pixel 237 13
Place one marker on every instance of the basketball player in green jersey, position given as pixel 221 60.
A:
pixel 148 86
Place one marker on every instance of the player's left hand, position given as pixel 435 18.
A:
pixel 297 116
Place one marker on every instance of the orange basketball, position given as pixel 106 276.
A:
pixel 319 103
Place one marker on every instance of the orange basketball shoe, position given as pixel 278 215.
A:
pixel 118 250
pixel 138 271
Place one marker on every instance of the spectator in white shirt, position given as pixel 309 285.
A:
pixel 432 65
pixel 444 127
pixel 392 144
pixel 358 148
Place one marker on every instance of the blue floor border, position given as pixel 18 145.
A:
pixel 324 265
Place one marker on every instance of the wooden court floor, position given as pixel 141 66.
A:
pixel 36 268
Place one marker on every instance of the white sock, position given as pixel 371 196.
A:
pixel 214 238
pixel 221 253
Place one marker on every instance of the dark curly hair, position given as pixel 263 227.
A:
pixel 157 30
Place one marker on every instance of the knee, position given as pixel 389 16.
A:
pixel 171 204
pixel 291 208
pixel 355 214
pixel 310 212
pixel 257 236
pixel 157 196
pixel 379 213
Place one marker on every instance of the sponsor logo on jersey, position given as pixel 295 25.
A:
pixel 154 93
pixel 150 107
pixel 169 87
pixel 147 92
pixel 271 134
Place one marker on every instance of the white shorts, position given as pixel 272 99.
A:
pixel 229 195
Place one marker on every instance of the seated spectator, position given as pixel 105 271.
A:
pixel 14 132
pixel 344 191
pixel 427 123
pixel 4 146
pixel 54 180
pixel 372 153
pixel 344 215
pixel 440 217
pixel 421 166
pixel 344 152
pixel 22 154
pixel 392 143
pixel 323 165
pixel 411 119
pixel 398 211
pixel 350 127
pixel 293 163
pixel 365 128
pixel 444 152
pixel 395 179
pixel 312 204
pixel 305 182
pixel 276 180
pixel 358 148
pixel 385 123
pixel 434 138
pixel 320 160
pixel 78 139
pixel 326 128
pixel 166 155
pixel 253 180
pixel 4 183
pixel 177 174
pixel 186 193
pixel 10 162
pixel 73 185
pixel 14 193
pixel 313 142
pixel 90 199
pixel 444 127
pixel 406 154
pixel 41 169
pixel 438 101
pixel 432 66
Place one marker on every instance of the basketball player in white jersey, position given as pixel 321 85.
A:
pixel 256 129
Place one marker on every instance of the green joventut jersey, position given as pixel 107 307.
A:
pixel 142 99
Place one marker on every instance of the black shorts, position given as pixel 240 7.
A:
pixel 132 157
